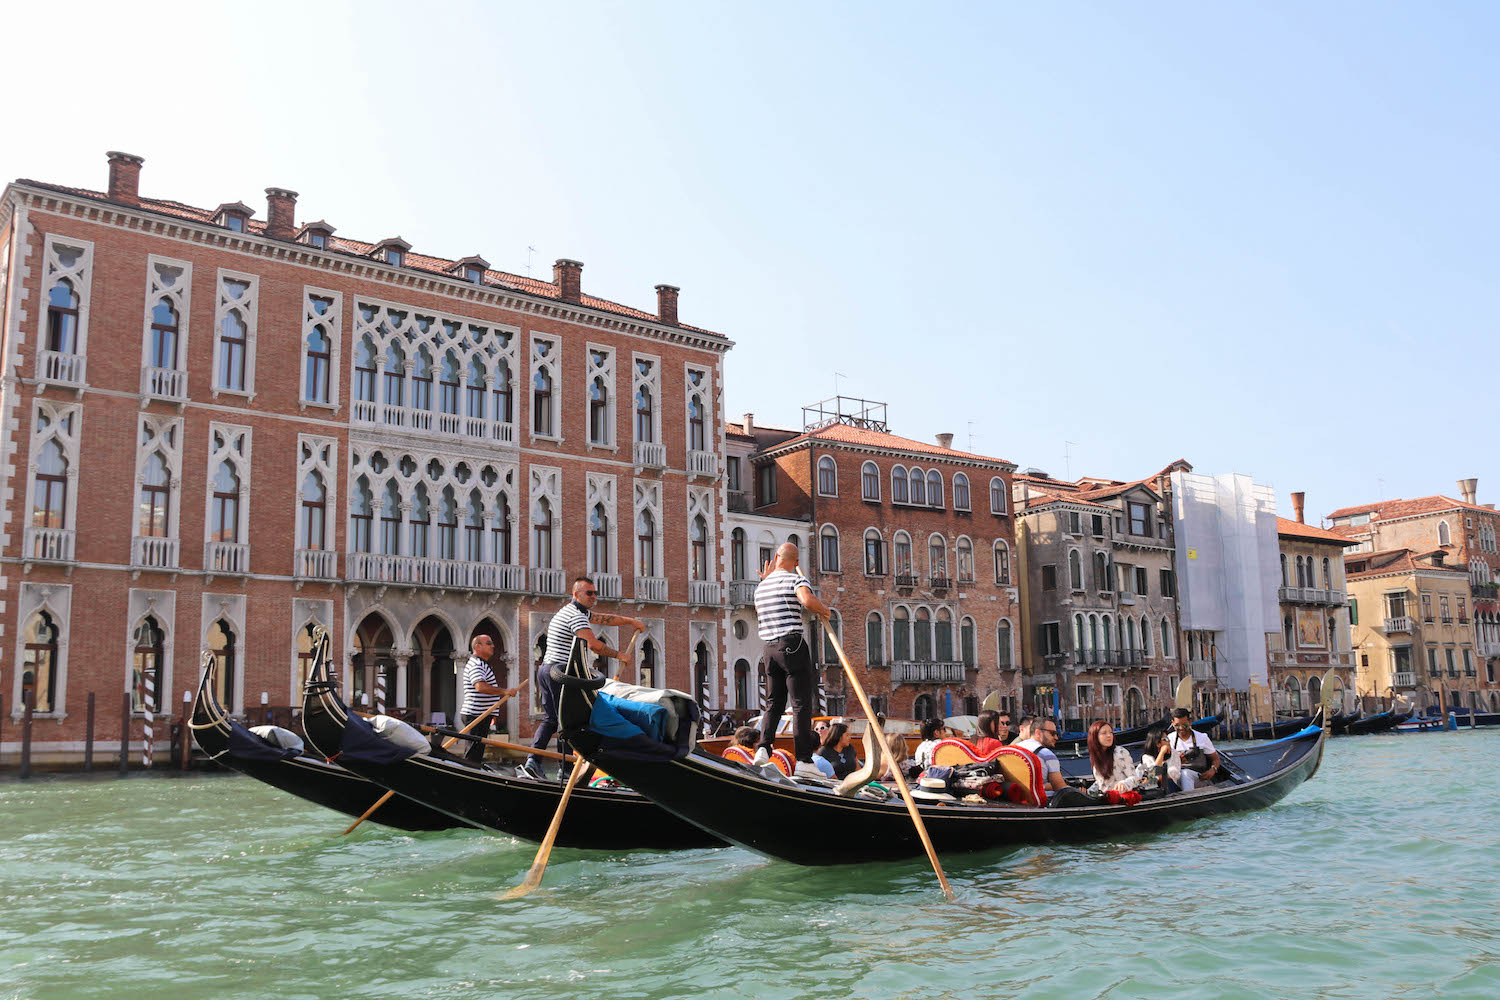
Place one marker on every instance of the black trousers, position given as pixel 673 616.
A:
pixel 789 663
pixel 476 749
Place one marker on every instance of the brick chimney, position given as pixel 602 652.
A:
pixel 281 213
pixel 567 275
pixel 1299 501
pixel 945 440
pixel 666 304
pixel 1468 488
pixel 125 177
pixel 749 427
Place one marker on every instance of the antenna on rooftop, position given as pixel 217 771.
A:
pixel 971 437
pixel 836 376
pixel 530 249
pixel 1068 459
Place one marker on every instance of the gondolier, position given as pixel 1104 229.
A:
pixel 780 598
pixel 480 694
pixel 570 624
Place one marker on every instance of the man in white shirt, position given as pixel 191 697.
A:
pixel 1183 738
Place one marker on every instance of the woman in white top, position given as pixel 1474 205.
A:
pixel 1114 771
pixel 932 731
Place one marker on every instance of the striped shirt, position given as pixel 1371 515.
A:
pixel 563 631
pixel 477 670
pixel 777 609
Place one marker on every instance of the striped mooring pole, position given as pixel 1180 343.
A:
pixel 149 706
pixel 379 691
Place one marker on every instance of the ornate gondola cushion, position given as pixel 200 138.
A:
pixel 953 752
pixel 738 754
pixel 780 758
pixel 1020 766
pixel 282 739
pixel 399 733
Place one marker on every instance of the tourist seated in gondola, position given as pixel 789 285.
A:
pixel 836 757
pixel 1043 738
pixel 1161 766
pixel 1024 729
pixel 932 731
pixel 1200 761
pixel 1114 771
pixel 746 736
pixel 990 736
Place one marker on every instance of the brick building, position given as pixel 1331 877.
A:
pixel 1315 635
pixel 914 551
pixel 1464 533
pixel 221 431
pixel 1102 630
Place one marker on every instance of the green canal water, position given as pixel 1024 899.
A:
pixel 1377 879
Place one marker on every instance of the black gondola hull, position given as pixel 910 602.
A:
pixel 603 819
pixel 781 821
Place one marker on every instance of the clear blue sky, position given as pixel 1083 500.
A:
pixel 1260 237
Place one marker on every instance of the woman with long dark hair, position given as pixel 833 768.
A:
pixel 990 739
pixel 836 755
pixel 1114 771
pixel 933 730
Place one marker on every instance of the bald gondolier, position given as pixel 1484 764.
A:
pixel 575 621
pixel 481 692
pixel 780 599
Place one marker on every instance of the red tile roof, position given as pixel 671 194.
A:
pixel 1394 561
pixel 1296 529
pixel 413 261
pixel 848 434
pixel 1042 498
pixel 1385 510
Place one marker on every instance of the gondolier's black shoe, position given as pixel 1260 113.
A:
pixel 532 769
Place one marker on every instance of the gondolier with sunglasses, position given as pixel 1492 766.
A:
pixel 780 599
pixel 574 622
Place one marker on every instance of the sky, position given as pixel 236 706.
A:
pixel 1090 238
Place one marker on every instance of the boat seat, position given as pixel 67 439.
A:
pixel 1022 768
pixel 740 755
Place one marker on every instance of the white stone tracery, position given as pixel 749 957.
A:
pixel 70 261
pixel 169 284
pixel 229 455
pixel 237 299
pixel 55 432
pixel 700 501
pixel 646 376
pixel 57 601
pixel 599 367
pixel 378 473
pixel 416 343
pixel 159 438
pixel 546 366
pixel 648 501
pixel 601 492
pixel 697 384
pixel 160 605
pixel 545 484
pixel 322 323
pixel 317 470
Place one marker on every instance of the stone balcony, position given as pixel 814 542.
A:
pixel 226 558
pixel 704 593
pixel 608 585
pixel 649 455
pixel 169 384
pixel 742 592
pixel 455 426
pixel 315 564
pixel 1399 624
pixel 49 545
pixel 928 672
pixel 438 574
pixel 547 582
pixel 61 368
pixel 1404 679
pixel 651 589
pixel 151 552
pixel 704 464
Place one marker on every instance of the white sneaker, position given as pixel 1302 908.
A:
pixel 762 757
pixel 807 770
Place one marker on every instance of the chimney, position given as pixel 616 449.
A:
pixel 1299 500
pixel 666 304
pixel 567 275
pixel 749 423
pixel 125 177
pixel 1468 488
pixel 945 440
pixel 281 213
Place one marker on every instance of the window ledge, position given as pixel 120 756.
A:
pixel 550 439
pixel 249 395
pixel 873 500
pixel 312 403
pixel 597 446
pixel 830 496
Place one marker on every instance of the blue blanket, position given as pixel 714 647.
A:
pixel 619 719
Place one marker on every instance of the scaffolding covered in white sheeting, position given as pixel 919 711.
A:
pixel 1228 569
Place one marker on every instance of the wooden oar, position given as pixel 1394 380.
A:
pixel 911 805
pixel 544 853
pixel 451 740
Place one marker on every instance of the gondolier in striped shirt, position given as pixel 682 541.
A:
pixel 780 599
pixel 480 693
pixel 574 622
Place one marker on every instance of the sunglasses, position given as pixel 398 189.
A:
pixel 590 593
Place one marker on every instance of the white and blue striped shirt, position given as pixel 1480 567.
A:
pixel 777 610
pixel 474 702
pixel 562 632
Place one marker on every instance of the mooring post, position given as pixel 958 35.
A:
pixel 29 699
pixel 125 734
pixel 187 733
pixel 88 737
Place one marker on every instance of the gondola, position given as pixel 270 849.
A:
pixel 492 798
pixel 776 819
pixel 305 775
pixel 1078 746
pixel 1277 730
pixel 1380 722
pixel 1343 720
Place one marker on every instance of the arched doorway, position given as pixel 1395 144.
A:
pixel 1135 708
pixel 742 684
pixel 373 650
pixel 1293 694
pixel 1314 693
pixel 922 707
pixel 432 671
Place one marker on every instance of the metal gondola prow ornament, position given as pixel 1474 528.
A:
pixel 1330 694
pixel 322 651
pixel 1184 697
